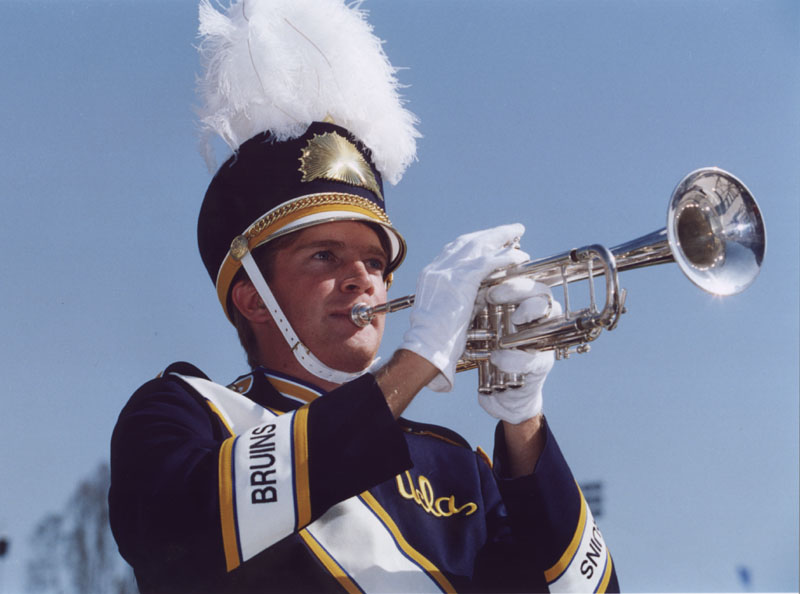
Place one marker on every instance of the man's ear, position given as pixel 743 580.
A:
pixel 246 299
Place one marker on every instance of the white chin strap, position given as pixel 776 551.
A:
pixel 301 352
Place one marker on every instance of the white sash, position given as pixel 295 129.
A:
pixel 356 540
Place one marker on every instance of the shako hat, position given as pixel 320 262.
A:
pixel 270 188
pixel 304 95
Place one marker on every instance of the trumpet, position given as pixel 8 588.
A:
pixel 715 233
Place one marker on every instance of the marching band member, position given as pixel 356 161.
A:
pixel 302 475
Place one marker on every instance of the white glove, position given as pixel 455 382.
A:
pixel 516 405
pixel 446 292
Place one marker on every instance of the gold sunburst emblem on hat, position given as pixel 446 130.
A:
pixel 331 156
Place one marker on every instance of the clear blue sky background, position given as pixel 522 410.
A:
pixel 576 118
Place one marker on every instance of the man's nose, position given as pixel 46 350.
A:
pixel 357 279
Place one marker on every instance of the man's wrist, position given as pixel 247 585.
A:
pixel 403 377
pixel 524 445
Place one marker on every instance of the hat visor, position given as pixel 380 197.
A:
pixel 316 211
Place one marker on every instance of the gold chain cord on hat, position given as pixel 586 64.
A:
pixel 310 201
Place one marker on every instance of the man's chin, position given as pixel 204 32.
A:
pixel 353 365
pixel 351 360
pixel 351 353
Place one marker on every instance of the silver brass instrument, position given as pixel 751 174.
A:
pixel 715 233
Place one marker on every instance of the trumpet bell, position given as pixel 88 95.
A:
pixel 716 232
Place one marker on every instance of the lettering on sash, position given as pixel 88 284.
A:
pixel 262 464
pixel 593 554
pixel 440 507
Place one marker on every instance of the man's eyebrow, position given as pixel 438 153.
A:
pixel 334 243
pixel 377 251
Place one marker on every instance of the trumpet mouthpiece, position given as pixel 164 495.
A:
pixel 361 315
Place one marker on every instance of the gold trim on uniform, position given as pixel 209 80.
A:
pixel 485 457
pixel 403 544
pixel 243 385
pixel 331 156
pixel 222 418
pixel 556 570
pixel 601 589
pixel 415 431
pixel 302 491
pixel 227 516
pixel 291 389
pixel 339 574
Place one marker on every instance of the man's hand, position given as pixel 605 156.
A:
pixel 516 405
pixel 520 408
pixel 446 293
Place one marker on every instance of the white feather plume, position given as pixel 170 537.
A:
pixel 279 65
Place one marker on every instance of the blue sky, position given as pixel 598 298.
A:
pixel 575 118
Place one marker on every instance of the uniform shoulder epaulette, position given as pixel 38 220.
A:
pixel 242 384
pixel 184 368
pixel 436 431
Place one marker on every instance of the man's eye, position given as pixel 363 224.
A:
pixel 376 264
pixel 324 255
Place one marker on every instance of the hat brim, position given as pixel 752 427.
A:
pixel 304 212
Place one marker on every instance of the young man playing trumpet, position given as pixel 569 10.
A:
pixel 301 475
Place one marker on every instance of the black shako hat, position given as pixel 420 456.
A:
pixel 268 189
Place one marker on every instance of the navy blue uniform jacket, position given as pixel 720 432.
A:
pixel 259 489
